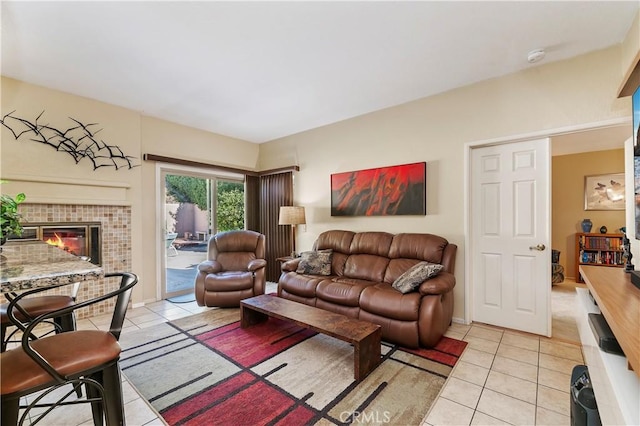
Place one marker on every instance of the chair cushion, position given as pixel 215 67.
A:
pixel 235 260
pixel 415 276
pixel 315 262
pixel 228 281
pixel 37 306
pixel 69 353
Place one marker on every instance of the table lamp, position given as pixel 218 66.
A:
pixel 292 215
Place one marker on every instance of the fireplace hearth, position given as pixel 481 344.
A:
pixel 77 238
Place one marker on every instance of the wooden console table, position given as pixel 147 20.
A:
pixel 619 301
pixel 615 378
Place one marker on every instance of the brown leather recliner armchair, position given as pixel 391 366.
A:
pixel 235 269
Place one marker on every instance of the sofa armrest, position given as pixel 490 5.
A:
pixel 210 267
pixel 256 264
pixel 290 265
pixel 441 283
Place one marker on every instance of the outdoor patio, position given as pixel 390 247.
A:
pixel 182 264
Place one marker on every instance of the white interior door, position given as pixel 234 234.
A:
pixel 510 234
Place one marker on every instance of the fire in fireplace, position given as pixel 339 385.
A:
pixel 80 239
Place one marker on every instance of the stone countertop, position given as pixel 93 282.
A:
pixel 30 264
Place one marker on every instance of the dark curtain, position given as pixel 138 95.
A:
pixel 275 190
pixel 252 206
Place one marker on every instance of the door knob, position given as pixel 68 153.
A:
pixel 539 247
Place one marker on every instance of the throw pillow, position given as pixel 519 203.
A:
pixel 416 275
pixel 315 262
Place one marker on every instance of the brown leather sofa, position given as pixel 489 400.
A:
pixel 364 266
pixel 234 269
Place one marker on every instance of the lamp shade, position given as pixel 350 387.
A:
pixel 291 215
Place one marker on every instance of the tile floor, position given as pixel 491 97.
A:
pixel 503 377
pixel 506 377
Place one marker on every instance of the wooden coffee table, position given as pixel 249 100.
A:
pixel 364 336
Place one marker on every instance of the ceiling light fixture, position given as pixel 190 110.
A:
pixel 536 56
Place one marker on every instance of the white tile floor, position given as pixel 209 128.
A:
pixel 503 377
pixel 506 377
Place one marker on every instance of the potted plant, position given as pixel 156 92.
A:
pixel 9 216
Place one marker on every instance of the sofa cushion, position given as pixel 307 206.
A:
pixel 339 242
pixel 376 243
pixel 341 291
pixel 398 267
pixel 383 300
pixel 315 262
pixel 336 240
pixel 415 276
pixel 426 247
pixel 300 285
pixel 366 267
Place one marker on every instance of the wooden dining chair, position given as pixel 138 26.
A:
pixel 81 357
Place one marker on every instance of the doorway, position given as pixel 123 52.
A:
pixel 575 139
pixel 194 205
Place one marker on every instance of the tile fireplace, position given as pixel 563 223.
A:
pixel 77 238
pixel 113 244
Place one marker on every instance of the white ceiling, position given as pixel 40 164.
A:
pixel 593 140
pixel 262 70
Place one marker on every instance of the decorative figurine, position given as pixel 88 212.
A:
pixel 626 244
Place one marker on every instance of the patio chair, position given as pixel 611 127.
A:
pixel 169 239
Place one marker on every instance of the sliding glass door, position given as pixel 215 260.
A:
pixel 195 206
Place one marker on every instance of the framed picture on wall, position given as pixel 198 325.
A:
pixel 384 191
pixel 604 192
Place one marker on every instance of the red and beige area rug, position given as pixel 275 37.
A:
pixel 205 369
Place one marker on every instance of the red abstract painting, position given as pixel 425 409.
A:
pixel 394 190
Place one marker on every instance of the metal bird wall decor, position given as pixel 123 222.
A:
pixel 79 141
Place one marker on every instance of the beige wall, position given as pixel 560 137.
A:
pixel 435 130
pixel 631 47
pixel 47 176
pixel 568 172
